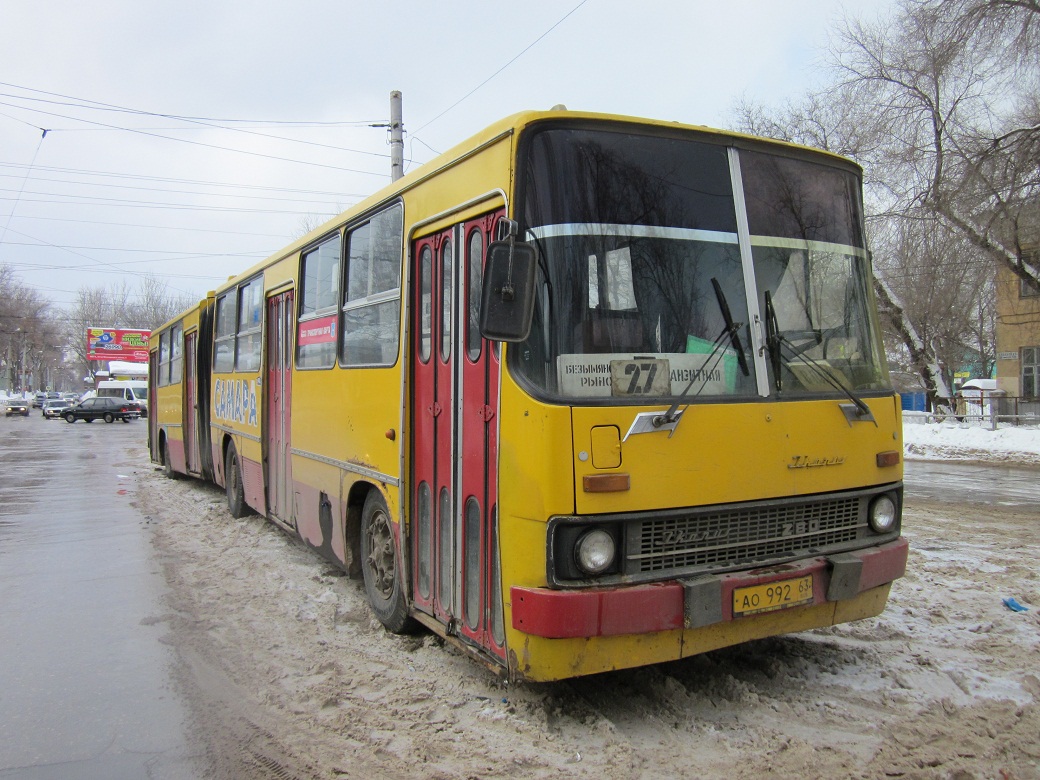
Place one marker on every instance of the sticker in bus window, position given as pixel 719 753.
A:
pixel 321 330
pixel 591 376
pixel 639 376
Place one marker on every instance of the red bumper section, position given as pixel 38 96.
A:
pixel 702 601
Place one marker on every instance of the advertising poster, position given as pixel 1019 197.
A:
pixel 129 345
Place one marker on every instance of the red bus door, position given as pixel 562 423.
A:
pixel 278 393
pixel 454 442
pixel 191 403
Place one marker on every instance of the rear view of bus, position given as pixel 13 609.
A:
pixel 698 441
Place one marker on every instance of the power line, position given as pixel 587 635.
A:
pixel 207 145
pixel 259 254
pixel 167 179
pixel 94 260
pixel 127 204
pixel 202 122
pixel 358 122
pixel 14 206
pixel 175 192
pixel 157 227
pixel 497 72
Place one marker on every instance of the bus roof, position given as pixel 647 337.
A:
pixel 506 126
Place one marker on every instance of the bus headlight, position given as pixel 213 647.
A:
pixel 595 551
pixel 882 514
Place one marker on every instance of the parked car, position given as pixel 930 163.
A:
pixel 134 390
pixel 16 406
pixel 55 407
pixel 107 409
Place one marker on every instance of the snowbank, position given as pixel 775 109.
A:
pixel 960 441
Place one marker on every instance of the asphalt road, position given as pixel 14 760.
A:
pixel 85 680
pixel 85 677
pixel 966 483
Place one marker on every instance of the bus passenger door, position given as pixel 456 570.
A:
pixel 433 493
pixel 279 394
pixel 454 444
pixel 478 372
pixel 191 402
pixel 153 406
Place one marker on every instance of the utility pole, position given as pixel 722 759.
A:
pixel 396 137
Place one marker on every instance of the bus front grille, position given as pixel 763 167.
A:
pixel 728 538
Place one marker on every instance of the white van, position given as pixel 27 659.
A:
pixel 128 389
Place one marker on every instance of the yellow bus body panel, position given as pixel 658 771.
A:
pixel 719 453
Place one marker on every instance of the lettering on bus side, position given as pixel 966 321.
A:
pixel 234 400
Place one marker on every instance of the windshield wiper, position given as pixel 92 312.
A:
pixel 732 332
pixel 732 328
pixel 776 343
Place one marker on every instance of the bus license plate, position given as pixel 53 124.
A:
pixel 772 595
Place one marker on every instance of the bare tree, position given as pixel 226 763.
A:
pixel 939 104
pixel 956 83
pixel 119 306
pixel 28 335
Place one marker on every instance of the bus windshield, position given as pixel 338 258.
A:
pixel 644 294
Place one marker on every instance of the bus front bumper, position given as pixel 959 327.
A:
pixel 707 600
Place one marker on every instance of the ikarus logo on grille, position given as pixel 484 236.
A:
pixel 808 462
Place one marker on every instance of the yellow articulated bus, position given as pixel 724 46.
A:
pixel 178 386
pixel 586 392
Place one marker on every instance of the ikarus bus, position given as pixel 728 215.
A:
pixel 585 392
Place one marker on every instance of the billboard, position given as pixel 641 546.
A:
pixel 130 345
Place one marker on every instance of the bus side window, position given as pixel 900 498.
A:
pixel 319 315
pixel 372 298
pixel 224 344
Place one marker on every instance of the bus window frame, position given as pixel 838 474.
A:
pixel 163 378
pixel 176 367
pixel 253 331
pixel 225 311
pixel 371 300
pixel 304 316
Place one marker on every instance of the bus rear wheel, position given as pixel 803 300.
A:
pixel 380 565
pixel 166 462
pixel 236 499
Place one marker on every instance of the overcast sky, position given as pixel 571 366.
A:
pixel 281 97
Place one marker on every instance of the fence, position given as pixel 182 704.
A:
pixel 987 408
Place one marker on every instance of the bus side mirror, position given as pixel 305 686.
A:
pixel 507 300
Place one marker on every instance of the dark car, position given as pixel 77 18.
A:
pixel 107 409
pixel 16 406
pixel 54 407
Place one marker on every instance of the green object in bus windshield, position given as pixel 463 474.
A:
pixel 726 358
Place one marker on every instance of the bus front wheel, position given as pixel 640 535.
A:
pixel 381 567
pixel 236 499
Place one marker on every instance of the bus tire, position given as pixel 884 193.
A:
pixel 380 565
pixel 167 465
pixel 236 499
